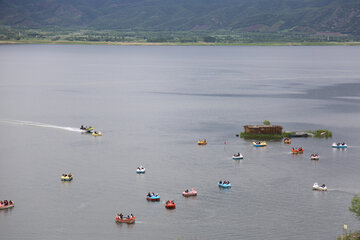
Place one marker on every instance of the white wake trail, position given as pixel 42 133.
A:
pixel 38 124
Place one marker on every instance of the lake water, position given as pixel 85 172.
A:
pixel 152 104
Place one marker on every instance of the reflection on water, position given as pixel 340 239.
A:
pixel 153 104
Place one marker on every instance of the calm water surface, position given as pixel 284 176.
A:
pixel 152 105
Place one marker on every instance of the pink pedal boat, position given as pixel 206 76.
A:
pixel 188 193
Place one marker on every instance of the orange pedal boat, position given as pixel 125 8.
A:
pixel 125 220
pixel 170 205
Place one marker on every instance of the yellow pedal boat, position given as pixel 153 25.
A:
pixel 66 177
pixel 96 134
pixel 203 142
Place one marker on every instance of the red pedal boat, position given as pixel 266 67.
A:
pixel 170 205
pixel 125 220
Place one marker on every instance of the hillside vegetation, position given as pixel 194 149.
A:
pixel 331 18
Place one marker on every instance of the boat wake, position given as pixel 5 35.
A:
pixel 38 124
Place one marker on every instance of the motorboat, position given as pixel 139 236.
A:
pixel 87 129
pixel 259 144
pixel 119 219
pixel 188 193
pixel 96 134
pixel 66 177
pixel 153 197
pixel 339 145
pixel 202 142
pixel 140 169
pixel 237 156
pixel 170 205
pixel 314 156
pixel 319 188
pixel 9 204
pixel 224 185
pixel 287 141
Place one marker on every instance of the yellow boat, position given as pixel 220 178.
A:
pixel 287 141
pixel 96 134
pixel 259 144
pixel 66 177
pixel 203 142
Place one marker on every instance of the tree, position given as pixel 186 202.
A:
pixel 355 206
pixel 266 122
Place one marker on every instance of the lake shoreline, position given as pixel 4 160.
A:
pixel 179 43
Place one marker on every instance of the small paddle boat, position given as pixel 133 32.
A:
pixel 319 188
pixel 202 142
pixel 153 197
pixel 259 144
pixel 120 219
pixel 170 204
pixel 237 156
pixel 339 145
pixel 6 204
pixel 287 141
pixel 300 150
pixel 66 177
pixel 96 134
pixel 314 156
pixel 140 169
pixel 294 151
pixel 224 184
pixel 188 193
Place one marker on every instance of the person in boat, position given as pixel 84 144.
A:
pixel 11 202
pixel 187 190
pixel 131 215
pixel 70 175
pixel 343 143
pixel 220 182
pixel 149 194
pixel 323 186
pixel 121 216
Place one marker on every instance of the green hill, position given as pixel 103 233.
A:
pixel 316 17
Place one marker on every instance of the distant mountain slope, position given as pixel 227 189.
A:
pixel 337 16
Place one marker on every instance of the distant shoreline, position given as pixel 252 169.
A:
pixel 179 43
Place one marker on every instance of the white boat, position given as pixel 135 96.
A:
pixel 319 188
pixel 339 145
pixel 314 156
pixel 238 156
pixel 140 169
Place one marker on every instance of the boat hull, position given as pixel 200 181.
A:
pixel 7 206
pixel 224 185
pixel 170 206
pixel 125 220
pixel 153 199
